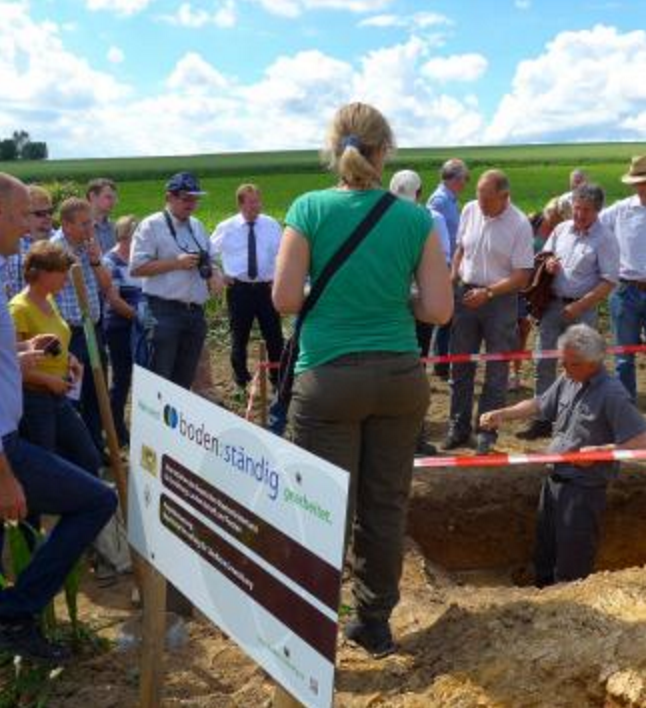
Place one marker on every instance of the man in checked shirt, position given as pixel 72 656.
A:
pixel 77 237
pixel 590 410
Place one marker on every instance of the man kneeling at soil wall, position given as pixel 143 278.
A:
pixel 590 409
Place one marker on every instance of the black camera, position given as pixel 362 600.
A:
pixel 52 348
pixel 204 267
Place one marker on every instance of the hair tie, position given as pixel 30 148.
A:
pixel 350 141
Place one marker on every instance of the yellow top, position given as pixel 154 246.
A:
pixel 30 320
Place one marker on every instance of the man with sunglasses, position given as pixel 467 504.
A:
pixel 40 228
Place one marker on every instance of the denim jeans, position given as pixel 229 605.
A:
pixel 51 422
pixel 178 333
pixel 84 505
pixel 628 315
pixel 120 347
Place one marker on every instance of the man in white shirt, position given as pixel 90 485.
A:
pixel 248 243
pixel 493 261
pixel 627 220
pixel 171 252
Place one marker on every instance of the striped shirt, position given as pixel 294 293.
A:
pixel 66 300
pixel 14 276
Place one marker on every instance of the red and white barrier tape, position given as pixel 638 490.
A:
pixel 521 355
pixel 502 460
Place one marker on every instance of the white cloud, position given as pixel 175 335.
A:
pixel 587 85
pixel 47 90
pixel 192 74
pixel 294 8
pixel 419 20
pixel 121 7
pixel 115 55
pixel 223 14
pixel 460 67
pixel 202 110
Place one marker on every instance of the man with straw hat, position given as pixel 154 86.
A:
pixel 627 220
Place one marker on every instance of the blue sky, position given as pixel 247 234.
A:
pixel 153 77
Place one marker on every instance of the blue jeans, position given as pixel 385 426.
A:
pixel 628 315
pixel 178 333
pixel 120 345
pixel 51 422
pixel 84 504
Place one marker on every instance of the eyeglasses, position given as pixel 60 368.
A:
pixel 41 213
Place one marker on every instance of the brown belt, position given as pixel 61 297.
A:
pixel 639 284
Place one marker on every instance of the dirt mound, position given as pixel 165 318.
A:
pixel 463 643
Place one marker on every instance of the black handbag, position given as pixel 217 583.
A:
pixel 291 349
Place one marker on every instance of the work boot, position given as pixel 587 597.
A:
pixel 537 429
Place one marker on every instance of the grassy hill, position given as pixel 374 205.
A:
pixel 537 172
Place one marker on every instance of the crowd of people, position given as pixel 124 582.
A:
pixel 417 278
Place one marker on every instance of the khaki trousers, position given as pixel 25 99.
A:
pixel 363 413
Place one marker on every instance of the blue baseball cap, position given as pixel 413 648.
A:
pixel 184 182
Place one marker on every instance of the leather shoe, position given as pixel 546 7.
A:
pixel 455 439
pixel 26 639
pixel 425 449
pixel 537 429
pixel 372 635
pixel 484 443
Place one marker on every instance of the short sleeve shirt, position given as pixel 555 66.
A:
pixel 365 306
pixel 494 246
pixel 586 258
pixel 598 412
pixel 30 320
pixel 153 240
pixel 627 221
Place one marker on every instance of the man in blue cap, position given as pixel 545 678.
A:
pixel 171 252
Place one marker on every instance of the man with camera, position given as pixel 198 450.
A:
pixel 171 252
pixel 248 244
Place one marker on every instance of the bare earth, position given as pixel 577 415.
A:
pixel 471 630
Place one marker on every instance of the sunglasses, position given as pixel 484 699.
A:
pixel 42 212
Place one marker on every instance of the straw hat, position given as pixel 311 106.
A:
pixel 637 172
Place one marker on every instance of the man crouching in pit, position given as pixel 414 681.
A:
pixel 591 410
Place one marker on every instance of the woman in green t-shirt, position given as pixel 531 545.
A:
pixel 360 393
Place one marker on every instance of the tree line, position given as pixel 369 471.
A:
pixel 20 146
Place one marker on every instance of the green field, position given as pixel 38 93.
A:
pixel 537 172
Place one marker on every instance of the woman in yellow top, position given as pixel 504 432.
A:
pixel 49 419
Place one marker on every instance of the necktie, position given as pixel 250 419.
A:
pixel 252 257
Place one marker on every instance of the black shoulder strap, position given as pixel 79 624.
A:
pixel 345 251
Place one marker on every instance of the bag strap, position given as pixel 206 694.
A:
pixel 344 252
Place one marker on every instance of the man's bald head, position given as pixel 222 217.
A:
pixel 14 213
